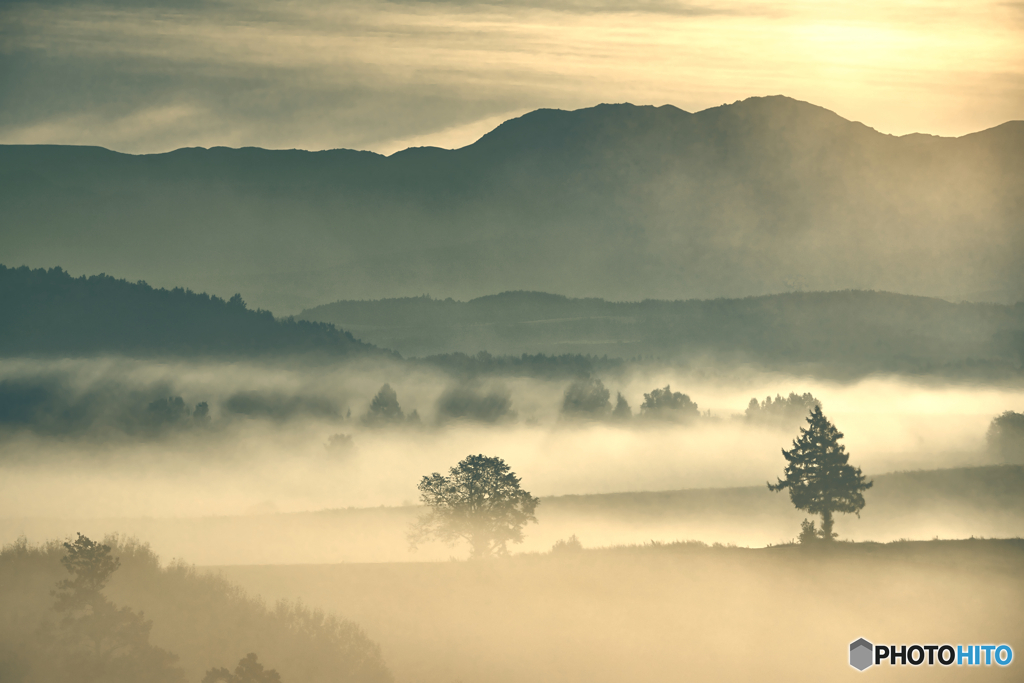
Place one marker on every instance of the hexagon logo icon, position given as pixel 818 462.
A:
pixel 862 654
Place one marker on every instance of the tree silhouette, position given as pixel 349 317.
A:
pixel 622 410
pixel 586 398
pixel 99 642
pixel 201 415
pixel 90 566
pixel 783 411
pixel 249 670
pixel 664 404
pixel 167 412
pixel 465 402
pixel 384 408
pixel 567 545
pixel 1006 436
pixel 819 477
pixel 480 501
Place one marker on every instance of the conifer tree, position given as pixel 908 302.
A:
pixel 818 474
pixel 622 410
pixel 384 408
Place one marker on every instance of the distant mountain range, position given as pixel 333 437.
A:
pixel 624 202
pixel 846 333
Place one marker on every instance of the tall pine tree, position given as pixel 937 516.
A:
pixel 818 474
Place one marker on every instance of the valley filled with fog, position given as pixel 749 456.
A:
pixel 286 447
pixel 655 375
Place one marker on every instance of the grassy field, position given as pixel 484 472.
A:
pixel 634 609
pixel 949 503
pixel 677 612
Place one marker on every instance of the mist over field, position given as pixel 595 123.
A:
pixel 584 341
pixel 287 442
pixel 280 473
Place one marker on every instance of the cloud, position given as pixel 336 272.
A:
pixel 145 80
pixel 153 76
pixel 671 7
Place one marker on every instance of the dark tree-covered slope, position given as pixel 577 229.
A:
pixel 624 202
pixel 45 312
pixel 846 332
pixel 197 616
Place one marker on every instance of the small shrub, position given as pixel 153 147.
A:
pixel 568 545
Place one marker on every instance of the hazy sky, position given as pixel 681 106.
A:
pixel 140 76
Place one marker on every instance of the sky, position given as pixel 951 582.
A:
pixel 143 76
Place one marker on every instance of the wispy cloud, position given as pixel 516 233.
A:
pixel 151 76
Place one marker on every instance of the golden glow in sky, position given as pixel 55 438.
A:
pixel 155 76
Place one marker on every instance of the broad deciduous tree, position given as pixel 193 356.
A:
pixel 480 501
pixel 664 404
pixel 1006 436
pixel 586 398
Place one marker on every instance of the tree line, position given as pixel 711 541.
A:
pixel 836 334
pixel 584 399
pixel 52 405
pixel 49 312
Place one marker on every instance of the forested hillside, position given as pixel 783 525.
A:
pixel 153 623
pixel 49 312
pixel 849 332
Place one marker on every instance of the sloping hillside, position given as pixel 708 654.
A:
pixel 48 312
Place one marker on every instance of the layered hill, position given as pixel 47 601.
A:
pixel 48 312
pixel 837 334
pixel 847 332
pixel 761 196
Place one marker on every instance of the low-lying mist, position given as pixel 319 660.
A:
pixel 287 437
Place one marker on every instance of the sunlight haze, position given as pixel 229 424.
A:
pixel 152 77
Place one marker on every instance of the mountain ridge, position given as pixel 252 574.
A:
pixel 840 334
pixel 529 116
pixel 617 201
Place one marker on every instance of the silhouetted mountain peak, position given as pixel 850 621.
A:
pixel 607 127
pixel 547 128
pixel 420 152
pixel 775 108
pixel 788 125
pixel 763 195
